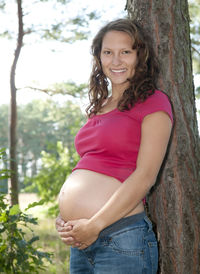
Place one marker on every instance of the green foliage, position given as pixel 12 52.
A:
pixel 17 252
pixel 2 4
pixel 69 88
pixel 40 126
pixel 4 126
pixel 55 168
pixel 4 171
pixel 70 36
pixel 62 26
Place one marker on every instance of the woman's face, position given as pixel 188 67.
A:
pixel 118 58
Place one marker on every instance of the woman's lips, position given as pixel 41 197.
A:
pixel 118 70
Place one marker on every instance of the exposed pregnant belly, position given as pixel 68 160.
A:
pixel 85 192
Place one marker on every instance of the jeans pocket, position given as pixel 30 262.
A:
pixel 129 241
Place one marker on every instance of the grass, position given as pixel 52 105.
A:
pixel 49 239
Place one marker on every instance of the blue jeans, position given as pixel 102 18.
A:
pixel 128 246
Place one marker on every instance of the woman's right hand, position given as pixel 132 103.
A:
pixel 65 229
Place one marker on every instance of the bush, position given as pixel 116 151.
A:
pixel 17 252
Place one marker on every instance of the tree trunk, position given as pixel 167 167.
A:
pixel 13 110
pixel 174 205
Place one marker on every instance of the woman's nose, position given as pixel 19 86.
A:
pixel 116 60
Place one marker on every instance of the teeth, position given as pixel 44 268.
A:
pixel 118 70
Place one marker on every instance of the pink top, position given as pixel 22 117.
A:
pixel 109 143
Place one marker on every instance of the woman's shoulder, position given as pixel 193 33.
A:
pixel 159 96
pixel 158 101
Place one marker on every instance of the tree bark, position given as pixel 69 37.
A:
pixel 174 203
pixel 13 110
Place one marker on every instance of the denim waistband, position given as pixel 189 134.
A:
pixel 124 222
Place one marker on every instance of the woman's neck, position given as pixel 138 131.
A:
pixel 116 96
pixel 117 92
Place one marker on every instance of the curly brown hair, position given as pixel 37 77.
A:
pixel 143 82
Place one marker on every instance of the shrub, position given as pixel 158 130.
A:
pixel 17 251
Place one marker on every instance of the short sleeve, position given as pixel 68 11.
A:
pixel 156 102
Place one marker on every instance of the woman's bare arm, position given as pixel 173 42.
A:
pixel 155 134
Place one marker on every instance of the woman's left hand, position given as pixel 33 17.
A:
pixel 60 227
pixel 83 232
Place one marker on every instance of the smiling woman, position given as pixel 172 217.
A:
pixel 122 147
pixel 118 59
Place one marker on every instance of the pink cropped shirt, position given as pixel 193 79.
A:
pixel 109 143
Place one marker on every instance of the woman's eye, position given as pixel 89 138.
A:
pixel 126 52
pixel 107 52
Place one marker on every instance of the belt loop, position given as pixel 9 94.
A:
pixel 149 223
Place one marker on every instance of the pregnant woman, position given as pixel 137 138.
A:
pixel 121 148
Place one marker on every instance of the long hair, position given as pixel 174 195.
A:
pixel 143 82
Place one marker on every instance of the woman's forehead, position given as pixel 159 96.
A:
pixel 117 39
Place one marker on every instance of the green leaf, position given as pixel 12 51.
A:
pixel 14 210
pixel 4 170
pixel 2 151
pixel 35 238
pixel 41 202
pixel 22 243
pixel 2 248
pixel 3 217
pixel 4 177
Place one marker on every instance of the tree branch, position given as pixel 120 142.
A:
pixel 194 49
pixel 51 92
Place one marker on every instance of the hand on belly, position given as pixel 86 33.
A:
pixel 82 232
pixel 84 193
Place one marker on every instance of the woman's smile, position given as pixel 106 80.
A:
pixel 118 70
pixel 118 58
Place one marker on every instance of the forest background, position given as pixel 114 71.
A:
pixel 50 63
pixel 52 79
pixel 52 75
